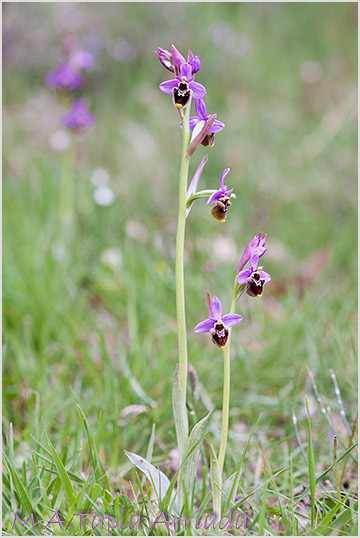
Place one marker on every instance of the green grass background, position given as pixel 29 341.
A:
pixel 71 328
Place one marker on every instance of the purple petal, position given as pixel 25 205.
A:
pixel 263 241
pixel 231 319
pixel 204 326
pixel 243 276
pixel 215 197
pixel 216 307
pixel 186 71
pixel 255 255
pixel 223 176
pixel 265 276
pixel 177 58
pixel 216 127
pixel 193 121
pixel 190 55
pixel 198 90
pixel 201 109
pixel 168 86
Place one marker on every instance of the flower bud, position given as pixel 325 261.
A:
pixel 195 63
pixel 165 58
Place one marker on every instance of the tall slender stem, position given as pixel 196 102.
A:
pixel 179 256
pixel 226 390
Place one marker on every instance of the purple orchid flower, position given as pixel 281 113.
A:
pixel 197 123
pixel 201 112
pixel 254 278
pixel 216 324
pixel 79 117
pixel 221 199
pixel 183 86
pixel 64 78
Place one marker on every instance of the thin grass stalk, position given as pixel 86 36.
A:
pixel 336 471
pixel 179 254
pixel 349 445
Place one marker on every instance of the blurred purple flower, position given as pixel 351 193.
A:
pixel 221 199
pixel 254 278
pixel 216 324
pixel 79 117
pixel 183 86
pixel 64 78
pixel 82 60
pixel 79 59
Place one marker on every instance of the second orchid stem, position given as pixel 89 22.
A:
pixel 179 255
pixel 226 390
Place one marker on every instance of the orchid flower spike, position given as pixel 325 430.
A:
pixel 254 278
pixel 216 324
pixel 221 199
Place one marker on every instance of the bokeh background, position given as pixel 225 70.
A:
pixel 101 327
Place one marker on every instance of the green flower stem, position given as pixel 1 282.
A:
pixel 226 392
pixel 179 256
pixel 67 193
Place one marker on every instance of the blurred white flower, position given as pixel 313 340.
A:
pixel 113 258
pixel 99 177
pixel 103 195
pixel 60 140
